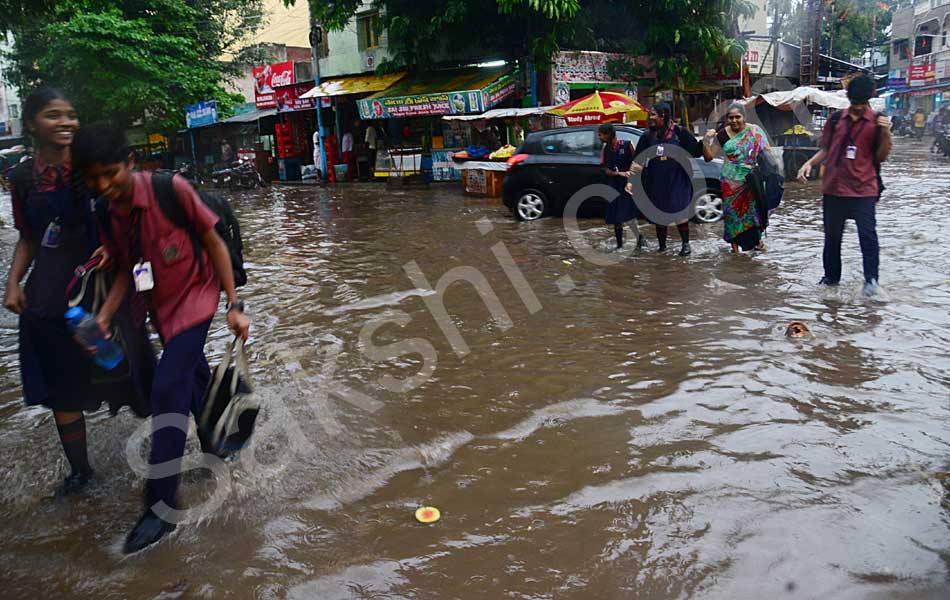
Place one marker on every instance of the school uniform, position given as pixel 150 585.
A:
pixel 850 191
pixel 182 303
pixel 52 210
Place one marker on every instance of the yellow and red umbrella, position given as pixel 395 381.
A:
pixel 600 107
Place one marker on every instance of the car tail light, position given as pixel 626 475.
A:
pixel 517 158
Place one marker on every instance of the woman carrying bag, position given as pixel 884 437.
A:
pixel 740 143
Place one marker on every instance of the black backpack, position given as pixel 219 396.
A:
pixel 836 117
pixel 227 226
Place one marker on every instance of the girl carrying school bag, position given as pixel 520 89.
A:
pixel 230 409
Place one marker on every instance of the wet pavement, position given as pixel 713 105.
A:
pixel 636 430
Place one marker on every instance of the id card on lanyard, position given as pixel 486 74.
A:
pixel 142 273
pixel 851 150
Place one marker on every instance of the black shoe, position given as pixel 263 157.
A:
pixel 74 483
pixel 146 532
pixel 662 247
pixel 826 281
pixel 685 251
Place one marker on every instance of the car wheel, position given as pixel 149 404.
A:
pixel 531 205
pixel 708 208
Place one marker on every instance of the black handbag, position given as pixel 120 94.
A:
pixel 230 409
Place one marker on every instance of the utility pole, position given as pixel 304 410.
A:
pixel 316 42
pixel 811 42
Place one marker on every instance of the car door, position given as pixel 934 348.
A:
pixel 571 161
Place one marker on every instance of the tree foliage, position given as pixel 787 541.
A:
pixel 133 60
pixel 851 27
pixel 679 34
pixel 424 32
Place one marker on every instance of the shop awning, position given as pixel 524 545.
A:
pixel 250 116
pixel 450 92
pixel 356 84
pixel 501 113
pixel 809 95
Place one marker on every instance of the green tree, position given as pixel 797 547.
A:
pixel 854 26
pixel 424 32
pixel 133 61
pixel 681 36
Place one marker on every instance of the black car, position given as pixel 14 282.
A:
pixel 551 165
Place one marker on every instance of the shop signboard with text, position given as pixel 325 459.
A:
pixel 943 70
pixel 447 103
pixel 201 114
pixel 760 57
pixel 497 92
pixel 594 67
pixel 288 98
pixel 268 78
pixel 920 75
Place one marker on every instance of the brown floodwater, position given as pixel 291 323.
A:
pixel 641 429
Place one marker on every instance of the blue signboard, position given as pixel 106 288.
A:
pixel 201 114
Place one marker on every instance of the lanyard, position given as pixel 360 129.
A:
pixel 847 131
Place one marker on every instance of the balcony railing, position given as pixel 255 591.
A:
pixel 933 57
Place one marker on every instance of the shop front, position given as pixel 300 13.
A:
pixel 410 116
pixel 353 159
pixel 927 87
pixel 277 87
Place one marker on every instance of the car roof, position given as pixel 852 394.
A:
pixel 546 132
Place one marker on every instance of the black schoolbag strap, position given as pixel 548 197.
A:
pixel 168 201
pixel 21 179
pixel 103 218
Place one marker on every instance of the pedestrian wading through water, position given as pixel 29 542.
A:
pixel 156 262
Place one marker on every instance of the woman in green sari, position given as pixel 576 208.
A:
pixel 740 144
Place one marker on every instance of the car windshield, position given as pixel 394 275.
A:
pixel 570 142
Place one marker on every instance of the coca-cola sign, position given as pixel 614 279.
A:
pixel 269 77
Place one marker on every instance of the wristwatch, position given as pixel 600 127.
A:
pixel 236 305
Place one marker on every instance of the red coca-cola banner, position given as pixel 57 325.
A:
pixel 268 79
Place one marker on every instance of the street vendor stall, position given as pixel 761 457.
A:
pixel 482 174
pixel 412 110
pixel 781 114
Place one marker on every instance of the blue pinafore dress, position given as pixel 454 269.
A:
pixel 619 157
pixel 667 184
pixel 55 369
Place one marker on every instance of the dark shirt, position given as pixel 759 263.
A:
pixel 845 177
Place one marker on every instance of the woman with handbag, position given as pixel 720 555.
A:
pixel 740 143
pixel 57 233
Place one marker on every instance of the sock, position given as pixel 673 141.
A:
pixel 661 235
pixel 683 228
pixel 73 437
pixel 618 233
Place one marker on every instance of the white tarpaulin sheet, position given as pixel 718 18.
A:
pixel 501 113
pixel 810 95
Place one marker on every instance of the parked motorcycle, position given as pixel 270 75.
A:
pixel 241 174
pixel 942 140
pixel 191 173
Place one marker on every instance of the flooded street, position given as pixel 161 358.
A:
pixel 636 430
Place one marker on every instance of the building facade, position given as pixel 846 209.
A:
pixel 919 75
pixel 10 123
